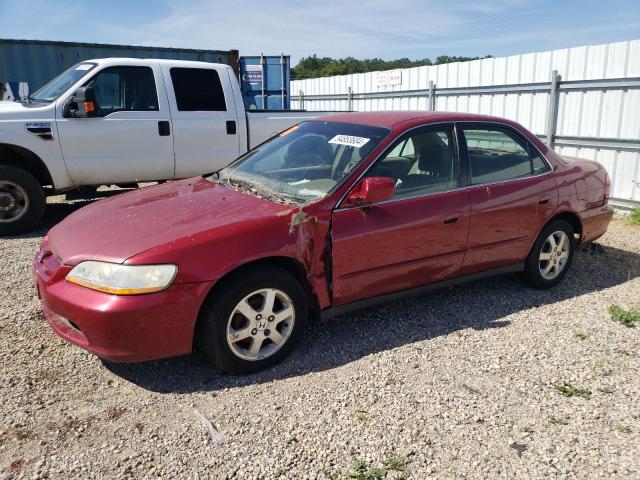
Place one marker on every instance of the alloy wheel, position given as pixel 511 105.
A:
pixel 260 324
pixel 554 255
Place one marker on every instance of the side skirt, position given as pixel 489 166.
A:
pixel 331 312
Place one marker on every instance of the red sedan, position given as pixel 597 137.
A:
pixel 331 215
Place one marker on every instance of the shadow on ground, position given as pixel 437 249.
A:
pixel 478 305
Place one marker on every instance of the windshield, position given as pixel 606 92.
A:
pixel 306 161
pixel 61 83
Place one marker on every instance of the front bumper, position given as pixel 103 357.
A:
pixel 118 328
pixel 595 222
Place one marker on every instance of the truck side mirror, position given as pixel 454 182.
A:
pixel 82 104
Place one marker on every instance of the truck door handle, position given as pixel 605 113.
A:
pixel 231 127
pixel 453 218
pixel 544 200
pixel 163 128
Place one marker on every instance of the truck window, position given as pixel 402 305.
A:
pixel 124 89
pixel 198 89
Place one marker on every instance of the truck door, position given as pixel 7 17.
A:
pixel 206 132
pixel 130 137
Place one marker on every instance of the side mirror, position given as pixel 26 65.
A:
pixel 371 190
pixel 82 104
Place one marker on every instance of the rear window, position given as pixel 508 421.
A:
pixel 198 90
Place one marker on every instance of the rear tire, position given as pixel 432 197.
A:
pixel 551 255
pixel 253 320
pixel 22 201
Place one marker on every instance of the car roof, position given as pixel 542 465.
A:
pixel 395 119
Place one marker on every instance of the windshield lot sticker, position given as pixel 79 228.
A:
pixel 350 140
pixel 84 66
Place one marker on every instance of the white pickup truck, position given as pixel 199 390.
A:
pixel 123 121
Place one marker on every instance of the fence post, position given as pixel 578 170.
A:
pixel 301 100
pixel 432 96
pixel 552 109
pixel 282 74
pixel 349 99
pixel 262 94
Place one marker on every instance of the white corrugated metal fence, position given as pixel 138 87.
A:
pixel 596 114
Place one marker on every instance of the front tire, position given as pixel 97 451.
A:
pixel 22 201
pixel 551 255
pixel 253 320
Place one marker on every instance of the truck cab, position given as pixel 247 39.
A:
pixel 122 121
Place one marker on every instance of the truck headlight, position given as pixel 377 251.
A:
pixel 122 279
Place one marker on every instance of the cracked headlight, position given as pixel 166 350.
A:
pixel 122 279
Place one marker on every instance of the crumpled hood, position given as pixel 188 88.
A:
pixel 122 226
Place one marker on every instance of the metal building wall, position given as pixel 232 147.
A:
pixel 595 120
pixel 36 62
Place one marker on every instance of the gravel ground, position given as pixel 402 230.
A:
pixel 459 384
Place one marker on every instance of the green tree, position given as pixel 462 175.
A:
pixel 314 66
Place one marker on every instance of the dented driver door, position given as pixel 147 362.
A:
pixel 417 237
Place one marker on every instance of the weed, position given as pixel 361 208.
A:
pixel 624 429
pixel 282 471
pixel 628 318
pixel 360 471
pixel 569 390
pixel 558 421
pixel 361 415
pixel 600 363
pixel 605 389
pixel 634 217
pixel 527 429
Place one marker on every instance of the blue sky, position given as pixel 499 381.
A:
pixel 338 28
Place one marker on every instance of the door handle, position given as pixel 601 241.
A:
pixel 544 200
pixel 163 128
pixel 453 218
pixel 231 127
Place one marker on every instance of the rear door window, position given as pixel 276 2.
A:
pixel 198 90
pixel 497 154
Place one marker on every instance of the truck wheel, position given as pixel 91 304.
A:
pixel 551 255
pixel 22 201
pixel 253 321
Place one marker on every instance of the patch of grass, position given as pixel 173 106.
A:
pixel 624 429
pixel 634 217
pixel 360 471
pixel 628 318
pixel 569 390
pixel 558 421
pixel 580 335
pixel 361 415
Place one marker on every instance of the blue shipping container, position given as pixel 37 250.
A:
pixel 265 82
pixel 36 62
